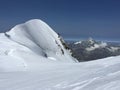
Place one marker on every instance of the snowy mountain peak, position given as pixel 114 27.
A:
pixel 91 40
pixel 79 42
pixel 33 42
pixel 40 38
pixel 26 46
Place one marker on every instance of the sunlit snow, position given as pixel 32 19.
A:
pixel 32 57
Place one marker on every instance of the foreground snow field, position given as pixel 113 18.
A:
pixel 94 75
pixel 32 57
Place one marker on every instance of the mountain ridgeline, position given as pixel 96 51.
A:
pixel 90 49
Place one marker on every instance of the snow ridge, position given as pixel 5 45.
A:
pixel 39 44
pixel 39 37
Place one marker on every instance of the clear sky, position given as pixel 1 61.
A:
pixel 71 18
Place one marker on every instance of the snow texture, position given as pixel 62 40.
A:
pixel 32 57
pixel 101 74
pixel 101 45
pixel 30 44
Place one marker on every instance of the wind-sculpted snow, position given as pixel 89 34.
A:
pixel 101 74
pixel 40 38
pixel 30 44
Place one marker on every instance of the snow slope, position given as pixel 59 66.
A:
pixel 31 56
pixel 101 74
pixel 30 44
pixel 40 38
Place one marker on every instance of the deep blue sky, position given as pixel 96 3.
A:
pixel 71 18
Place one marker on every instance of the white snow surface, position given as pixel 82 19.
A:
pixel 113 49
pixel 101 74
pixel 41 39
pixel 102 45
pixel 79 42
pixel 29 44
pixel 31 58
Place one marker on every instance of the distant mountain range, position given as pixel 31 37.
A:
pixel 91 49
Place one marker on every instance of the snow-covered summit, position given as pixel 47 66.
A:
pixel 40 38
pixel 38 42
pixel 91 44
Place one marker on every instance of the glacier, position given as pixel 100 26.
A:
pixel 32 57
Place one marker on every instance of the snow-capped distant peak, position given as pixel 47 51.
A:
pixel 79 42
pixel 91 40
pixel 91 44
pixel 101 45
